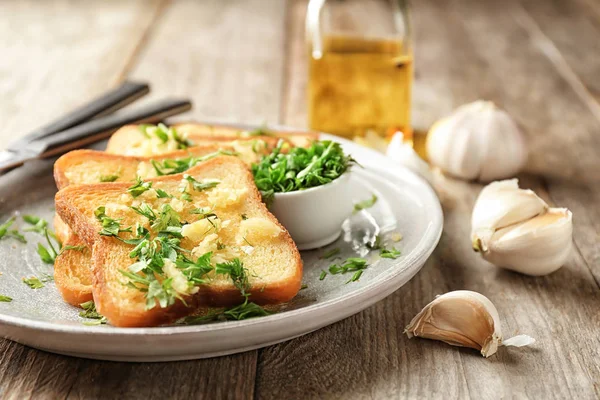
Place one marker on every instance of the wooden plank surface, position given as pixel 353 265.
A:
pixel 177 47
pixel 246 61
pixel 226 56
pixel 60 54
pixel 473 50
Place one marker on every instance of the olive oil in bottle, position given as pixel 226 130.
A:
pixel 360 84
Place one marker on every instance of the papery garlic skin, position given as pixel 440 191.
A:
pixel 403 153
pixel 538 246
pixel 460 318
pixel 463 318
pixel 477 141
pixel 501 204
pixel 372 140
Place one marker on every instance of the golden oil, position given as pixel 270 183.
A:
pixel 360 84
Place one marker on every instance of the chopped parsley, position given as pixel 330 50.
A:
pixel 33 282
pixel 330 253
pixel 304 286
pixel 362 205
pixel 139 187
pixel 109 178
pixel 79 248
pixel 203 212
pixel 90 312
pixel 172 166
pixel 164 134
pixel 387 253
pixel 5 232
pixel 300 168
pixel 244 217
pixel 146 273
pixel 110 226
pixel 323 275
pixel 161 194
pixel 238 274
pixel 145 210
pixel 200 186
pixel 352 264
pixel 5 299
pixel 40 225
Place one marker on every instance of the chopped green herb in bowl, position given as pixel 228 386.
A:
pixel 300 168
pixel 308 190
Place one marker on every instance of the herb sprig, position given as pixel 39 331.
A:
pixel 90 312
pixel 33 282
pixel 300 168
pixel 389 253
pixel 239 276
pixel 362 205
pixel 352 264
pixel 165 134
pixel 40 225
pixel 5 232
pixel 110 226
pixel 176 166
pixel 139 187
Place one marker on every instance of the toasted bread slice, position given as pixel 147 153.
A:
pixel 196 130
pixel 91 166
pixel 72 271
pixel 72 268
pixel 130 141
pixel 273 262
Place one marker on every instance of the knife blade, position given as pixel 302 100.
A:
pixel 91 131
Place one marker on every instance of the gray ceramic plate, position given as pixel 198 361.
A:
pixel 39 318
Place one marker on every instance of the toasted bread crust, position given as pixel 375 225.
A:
pixel 103 247
pixel 72 273
pixel 62 230
pixel 203 134
pixel 129 135
pixel 65 162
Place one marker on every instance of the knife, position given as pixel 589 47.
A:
pixel 96 129
pixel 115 99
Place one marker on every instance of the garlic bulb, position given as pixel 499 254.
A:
pixel 403 153
pixel 515 229
pixel 463 318
pixel 477 141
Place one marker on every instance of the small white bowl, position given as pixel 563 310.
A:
pixel 314 216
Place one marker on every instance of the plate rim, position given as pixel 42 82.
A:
pixel 432 235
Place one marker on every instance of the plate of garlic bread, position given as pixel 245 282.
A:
pixel 161 247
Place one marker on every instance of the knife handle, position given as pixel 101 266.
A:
pixel 109 102
pixel 100 128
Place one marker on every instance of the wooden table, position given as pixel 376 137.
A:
pixel 245 61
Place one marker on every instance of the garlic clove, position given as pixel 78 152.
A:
pixel 403 153
pixel 537 246
pixel 477 141
pixel 501 204
pixel 463 318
